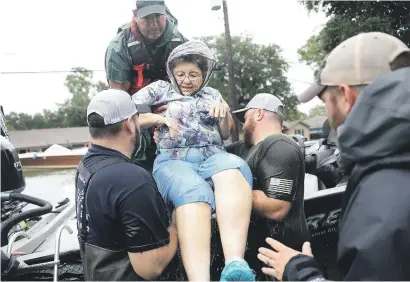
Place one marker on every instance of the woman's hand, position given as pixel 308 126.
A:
pixel 219 109
pixel 172 125
pixel 160 109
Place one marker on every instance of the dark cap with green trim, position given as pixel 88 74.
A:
pixel 149 7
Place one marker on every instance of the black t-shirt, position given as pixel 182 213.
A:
pixel 124 208
pixel 278 168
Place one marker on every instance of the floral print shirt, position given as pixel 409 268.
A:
pixel 196 127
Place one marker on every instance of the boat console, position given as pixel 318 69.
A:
pixel 29 230
pixel 11 167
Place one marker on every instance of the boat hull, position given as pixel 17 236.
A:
pixel 51 162
pixel 322 212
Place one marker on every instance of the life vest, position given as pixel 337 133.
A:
pixel 148 73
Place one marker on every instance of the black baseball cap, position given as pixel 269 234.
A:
pixel 149 7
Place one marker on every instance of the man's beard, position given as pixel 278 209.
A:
pixel 337 118
pixel 136 140
pixel 248 136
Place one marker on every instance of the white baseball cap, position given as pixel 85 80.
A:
pixel 114 106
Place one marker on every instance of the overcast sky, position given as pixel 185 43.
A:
pixel 46 35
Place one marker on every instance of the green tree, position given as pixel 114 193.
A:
pixel 395 14
pixel 295 114
pixel 100 86
pixel 74 109
pixel 318 110
pixel 12 121
pixel 257 68
pixel 53 119
pixel 312 53
pixel 71 113
pixel 348 18
pixel 24 121
pixel 80 85
pixel 37 121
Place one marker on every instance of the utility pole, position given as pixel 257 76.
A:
pixel 232 100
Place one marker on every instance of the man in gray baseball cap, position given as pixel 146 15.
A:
pixel 365 85
pixel 352 65
pixel 115 197
pixel 110 107
pixel 278 168
pixel 262 101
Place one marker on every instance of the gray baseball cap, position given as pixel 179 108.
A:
pixel 114 106
pixel 264 101
pixel 149 7
pixel 357 61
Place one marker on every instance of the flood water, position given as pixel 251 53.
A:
pixel 50 185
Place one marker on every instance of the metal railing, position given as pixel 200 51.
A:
pixel 57 249
pixel 14 238
pixel 54 263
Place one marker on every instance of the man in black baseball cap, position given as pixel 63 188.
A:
pixel 146 8
pixel 137 56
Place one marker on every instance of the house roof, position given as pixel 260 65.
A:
pixel 315 122
pixel 289 124
pixel 46 137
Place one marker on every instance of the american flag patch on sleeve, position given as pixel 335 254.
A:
pixel 280 185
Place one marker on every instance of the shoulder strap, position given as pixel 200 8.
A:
pixel 85 174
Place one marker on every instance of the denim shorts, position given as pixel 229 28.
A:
pixel 187 181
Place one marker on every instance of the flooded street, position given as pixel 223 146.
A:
pixel 50 185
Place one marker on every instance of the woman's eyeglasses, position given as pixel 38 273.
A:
pixel 192 77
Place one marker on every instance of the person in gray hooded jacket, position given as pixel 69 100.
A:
pixel 190 154
pixel 365 85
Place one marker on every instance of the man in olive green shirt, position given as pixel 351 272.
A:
pixel 137 56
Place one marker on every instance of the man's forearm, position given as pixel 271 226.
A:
pixel 170 250
pixel 149 265
pixel 8 264
pixel 148 120
pixel 166 253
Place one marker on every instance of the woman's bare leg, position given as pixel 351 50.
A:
pixel 194 234
pixel 233 199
